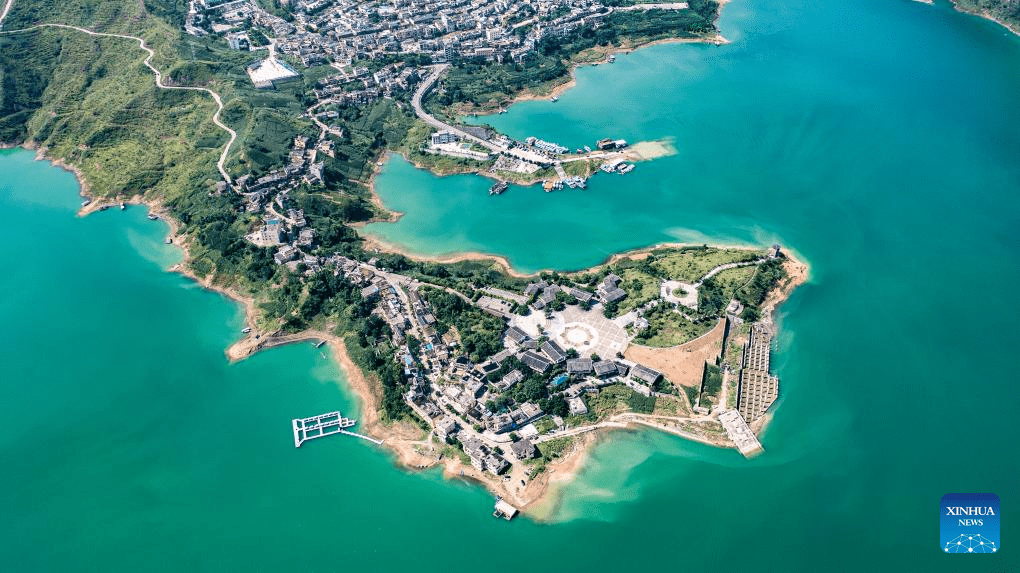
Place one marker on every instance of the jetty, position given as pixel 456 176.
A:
pixel 320 426
pixel 504 510
pixel 738 431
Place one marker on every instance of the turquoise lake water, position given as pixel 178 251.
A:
pixel 878 138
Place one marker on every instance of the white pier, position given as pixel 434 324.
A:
pixel 740 433
pixel 318 426
pixel 362 436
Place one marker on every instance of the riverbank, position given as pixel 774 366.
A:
pixel 1014 28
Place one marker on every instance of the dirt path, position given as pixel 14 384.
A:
pixel 159 78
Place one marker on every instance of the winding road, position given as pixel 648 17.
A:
pixel 159 78
pixel 426 84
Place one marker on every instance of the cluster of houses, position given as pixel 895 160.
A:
pixel 303 167
pixel 357 85
pixel 344 30
pixel 607 292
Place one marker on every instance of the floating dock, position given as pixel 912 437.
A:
pixel 319 426
pixel 504 510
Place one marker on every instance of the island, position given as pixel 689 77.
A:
pixel 254 129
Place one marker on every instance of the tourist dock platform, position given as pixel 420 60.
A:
pixel 740 433
pixel 319 426
pixel 504 510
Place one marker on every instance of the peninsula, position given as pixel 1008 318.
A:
pixel 264 173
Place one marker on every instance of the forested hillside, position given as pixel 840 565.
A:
pixel 1006 11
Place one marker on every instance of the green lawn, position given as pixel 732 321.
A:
pixel 669 328
pixel 640 286
pixel 692 264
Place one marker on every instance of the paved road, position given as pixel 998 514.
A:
pixel 426 84
pixel 722 268
pixel 159 78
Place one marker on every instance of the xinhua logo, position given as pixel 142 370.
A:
pixel 969 523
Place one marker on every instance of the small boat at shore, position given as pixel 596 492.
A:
pixel 153 217
pixel 104 207
pixel 122 206
pixel 555 99
pixel 86 202
pixel 246 330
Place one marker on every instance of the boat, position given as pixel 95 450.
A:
pixel 85 203
pixel 612 58
pixel 122 206
pixel 104 207
pixel 246 330
pixel 153 217
pixel 626 168
pixel 555 99
pixel 502 111
pixel 587 149
pixel 611 165
pixel 498 188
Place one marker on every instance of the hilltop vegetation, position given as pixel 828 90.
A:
pixel 1006 11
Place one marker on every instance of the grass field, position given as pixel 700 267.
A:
pixel 668 328
pixel 640 286
pixel 691 265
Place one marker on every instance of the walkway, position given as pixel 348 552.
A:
pixel 159 78
pixel 7 8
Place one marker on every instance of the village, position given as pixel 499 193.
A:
pixel 342 31
pixel 559 347
pixel 358 41
pixel 562 344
